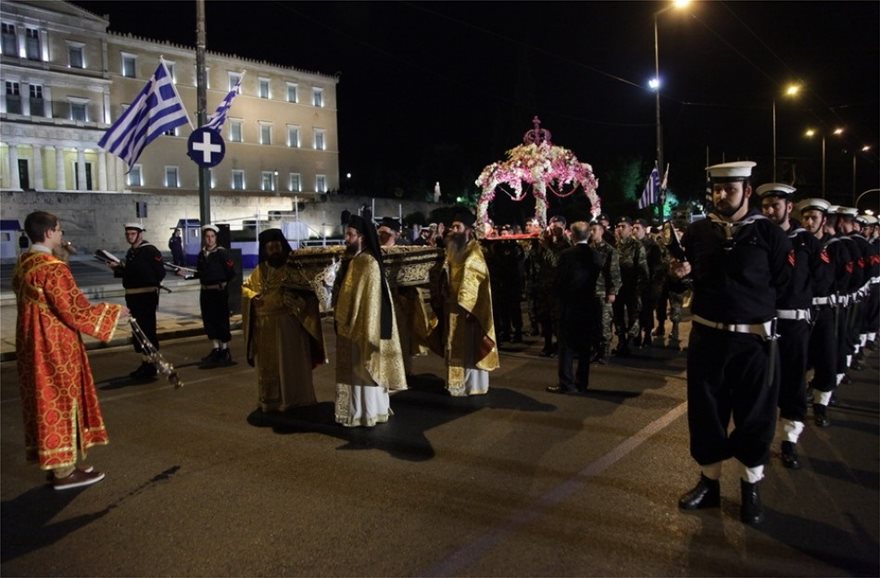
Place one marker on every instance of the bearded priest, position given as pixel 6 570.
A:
pixel 369 362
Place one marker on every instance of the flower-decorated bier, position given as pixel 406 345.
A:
pixel 315 268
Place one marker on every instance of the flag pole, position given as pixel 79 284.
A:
pixel 201 109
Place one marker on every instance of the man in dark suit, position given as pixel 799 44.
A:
pixel 579 268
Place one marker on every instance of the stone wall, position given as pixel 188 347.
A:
pixel 95 220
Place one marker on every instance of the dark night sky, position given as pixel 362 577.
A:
pixel 435 91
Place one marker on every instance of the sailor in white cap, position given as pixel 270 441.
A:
pixel 214 269
pixel 740 262
pixel 864 307
pixel 859 250
pixel 794 314
pixel 822 348
pixel 142 272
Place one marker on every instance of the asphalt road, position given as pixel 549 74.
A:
pixel 520 482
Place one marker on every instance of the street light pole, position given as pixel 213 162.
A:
pixel 823 166
pixel 657 91
pixel 774 140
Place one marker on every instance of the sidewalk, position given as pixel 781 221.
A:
pixel 178 314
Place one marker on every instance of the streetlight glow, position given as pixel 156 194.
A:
pixel 866 148
pixel 838 131
pixel 654 83
pixel 681 4
pixel 810 133
pixel 792 89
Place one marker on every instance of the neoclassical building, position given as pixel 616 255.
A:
pixel 66 79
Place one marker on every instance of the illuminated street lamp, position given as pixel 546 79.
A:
pixel 654 83
pixel 810 133
pixel 791 91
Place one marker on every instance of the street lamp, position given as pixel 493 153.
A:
pixel 810 133
pixel 654 83
pixel 791 91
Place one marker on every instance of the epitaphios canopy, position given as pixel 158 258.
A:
pixel 540 166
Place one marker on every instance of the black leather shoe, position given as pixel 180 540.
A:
pixel 145 371
pixel 789 456
pixel 820 415
pixel 751 511
pixel 706 494
pixel 559 389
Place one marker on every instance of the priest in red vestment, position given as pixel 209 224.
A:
pixel 62 417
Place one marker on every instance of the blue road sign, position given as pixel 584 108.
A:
pixel 206 147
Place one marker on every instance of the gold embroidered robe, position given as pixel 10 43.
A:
pixel 470 328
pixel 268 331
pixel 358 310
pixel 58 395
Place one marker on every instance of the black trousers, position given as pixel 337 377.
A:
pixel 143 308
pixel 215 314
pixel 570 380
pixel 822 349
pixel 794 337
pixel 728 376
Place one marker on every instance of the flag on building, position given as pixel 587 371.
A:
pixel 156 110
pixel 651 190
pixel 216 120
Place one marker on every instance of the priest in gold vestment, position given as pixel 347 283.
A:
pixel 62 416
pixel 283 335
pixel 469 338
pixel 369 362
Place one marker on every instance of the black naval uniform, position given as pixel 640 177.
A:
pixel 215 269
pixel 848 303
pixel 141 276
pixel 822 356
pixel 738 269
pixel 794 315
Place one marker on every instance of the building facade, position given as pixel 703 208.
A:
pixel 65 79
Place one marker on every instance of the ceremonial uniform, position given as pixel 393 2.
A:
pixel 657 271
pixel 142 272
pixel 215 269
pixel 740 262
pixel 633 280
pixel 607 284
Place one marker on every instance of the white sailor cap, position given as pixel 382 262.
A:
pixel 847 212
pixel 813 204
pixel 731 171
pixel 210 227
pixel 870 220
pixel 864 220
pixel 135 226
pixel 775 190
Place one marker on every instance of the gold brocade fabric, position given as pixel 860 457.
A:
pixel 270 337
pixel 414 322
pixel 469 337
pixel 362 357
pixel 58 394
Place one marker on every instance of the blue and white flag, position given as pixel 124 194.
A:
pixel 216 120
pixel 156 110
pixel 651 190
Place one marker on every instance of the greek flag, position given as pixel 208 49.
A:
pixel 216 120
pixel 156 109
pixel 652 188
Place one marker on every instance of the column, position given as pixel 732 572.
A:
pixel 47 97
pixel 102 170
pixel 38 168
pixel 60 179
pixel 25 89
pixel 81 169
pixel 14 176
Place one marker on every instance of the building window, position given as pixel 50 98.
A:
pixel 267 181
pixel 172 71
pixel 234 79
pixel 129 65
pixel 32 44
pixel 38 105
pixel 235 132
pixel 292 95
pixel 135 176
pixel 321 183
pixel 265 134
pixel 79 111
pixel 295 182
pixel 75 56
pixel 13 98
pixel 319 139
pixel 264 88
pixel 172 180
pixel 293 136
pixel 318 97
pixel 237 180
pixel 171 132
pixel 10 42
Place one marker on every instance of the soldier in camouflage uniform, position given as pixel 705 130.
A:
pixel 553 242
pixel 634 279
pixel 677 288
pixel 607 287
pixel 657 271
pixel 532 282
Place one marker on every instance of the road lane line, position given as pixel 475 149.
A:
pixel 455 563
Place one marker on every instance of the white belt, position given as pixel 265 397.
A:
pixel 793 314
pixel 764 330
pixel 823 300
